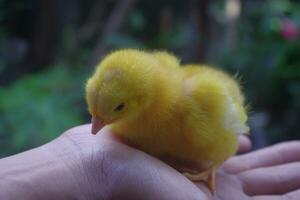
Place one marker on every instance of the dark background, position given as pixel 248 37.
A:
pixel 49 48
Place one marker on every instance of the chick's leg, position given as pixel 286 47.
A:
pixel 208 177
pixel 203 171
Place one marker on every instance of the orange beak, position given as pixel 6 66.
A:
pixel 97 125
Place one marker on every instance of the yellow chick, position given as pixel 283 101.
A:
pixel 189 116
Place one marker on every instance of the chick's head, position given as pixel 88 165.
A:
pixel 121 87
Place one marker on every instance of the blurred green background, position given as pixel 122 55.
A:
pixel 49 48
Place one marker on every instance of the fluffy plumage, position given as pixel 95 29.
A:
pixel 190 116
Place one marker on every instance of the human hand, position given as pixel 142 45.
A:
pixel 101 167
pixel 270 173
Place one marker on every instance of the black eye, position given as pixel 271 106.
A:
pixel 119 107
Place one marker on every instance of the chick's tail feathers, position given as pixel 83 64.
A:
pixel 219 98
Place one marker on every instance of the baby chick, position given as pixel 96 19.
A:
pixel 189 116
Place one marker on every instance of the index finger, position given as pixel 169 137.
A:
pixel 277 154
pixel 244 144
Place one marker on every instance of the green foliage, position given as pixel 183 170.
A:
pixel 123 41
pixel 271 65
pixel 37 108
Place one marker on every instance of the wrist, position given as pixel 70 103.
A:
pixel 50 171
pixel 33 174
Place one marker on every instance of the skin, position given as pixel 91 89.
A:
pixel 79 165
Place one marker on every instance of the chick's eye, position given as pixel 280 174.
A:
pixel 119 107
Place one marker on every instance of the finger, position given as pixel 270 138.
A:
pixel 269 197
pixel 244 144
pixel 295 195
pixel 274 155
pixel 279 179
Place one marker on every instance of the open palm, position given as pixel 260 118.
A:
pixel 272 173
pixel 117 171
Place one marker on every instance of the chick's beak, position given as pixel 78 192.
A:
pixel 97 125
